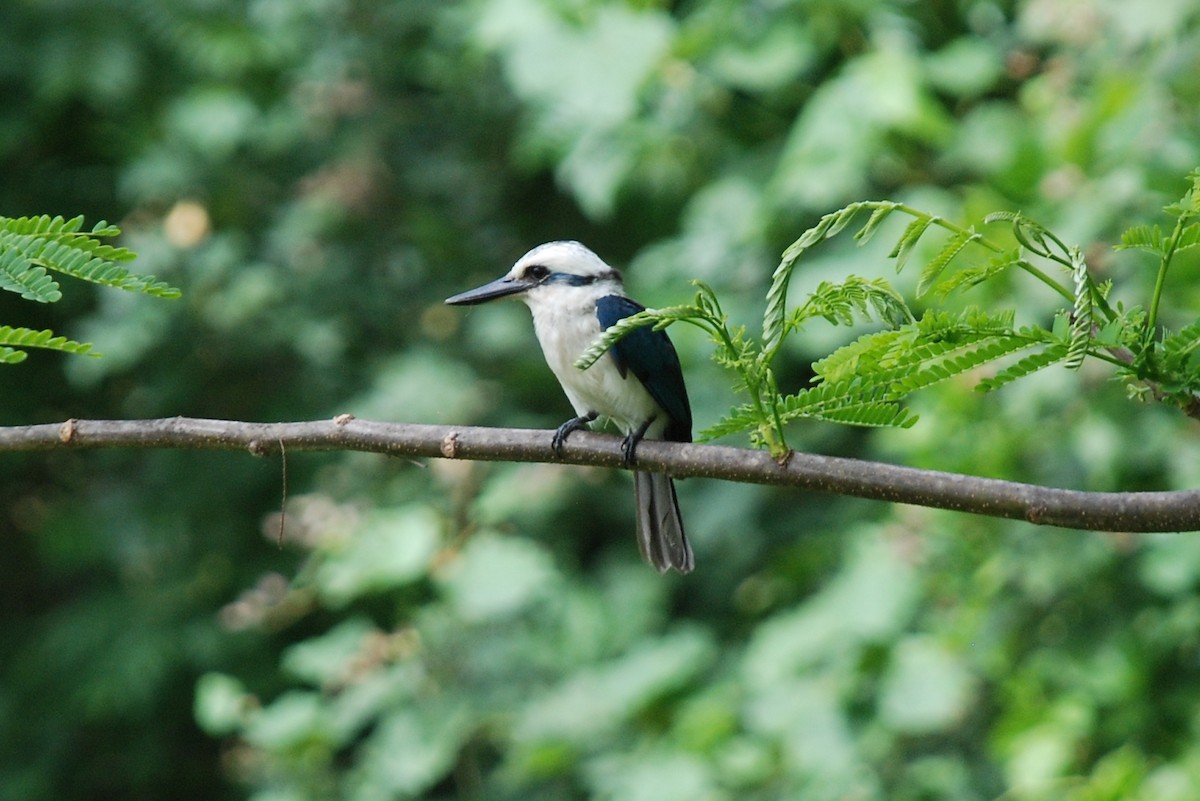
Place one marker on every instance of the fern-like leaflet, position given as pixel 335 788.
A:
pixel 887 366
pixel 31 248
pixel 15 341
pixel 854 298
pixel 58 244
pixel 1053 354
pixel 1178 347
pixel 937 265
pixel 866 381
pixel 854 401
pixel 908 240
pixel 1082 313
pixel 830 225
pixel 968 277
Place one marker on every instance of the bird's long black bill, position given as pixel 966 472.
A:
pixel 501 287
pixel 659 526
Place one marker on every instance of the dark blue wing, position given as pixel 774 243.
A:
pixel 650 356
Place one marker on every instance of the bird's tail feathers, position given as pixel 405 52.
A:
pixel 659 526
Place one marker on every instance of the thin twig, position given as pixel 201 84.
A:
pixel 1097 511
pixel 283 494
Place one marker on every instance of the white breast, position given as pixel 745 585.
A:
pixel 565 330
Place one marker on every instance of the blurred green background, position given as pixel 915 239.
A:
pixel 318 174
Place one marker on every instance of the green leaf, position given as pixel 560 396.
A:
pixel 84 264
pixel 1030 364
pixel 329 658
pixel 775 314
pixel 741 419
pixel 1142 237
pixel 908 348
pixel 1188 238
pixel 291 721
pixel 860 401
pixel 947 254
pixel 840 303
pixel 1179 346
pixel 13 341
pixel 973 276
pixel 1151 239
pixel 1082 315
pixel 870 601
pixel 19 274
pixel 882 211
pixel 867 415
pixel 937 362
pixel 496 576
pixel 41 225
pixel 594 701
pixel 908 240
pixel 861 356
pixel 1188 205
pixel 863 382
pixel 412 748
pixel 1170 565
pixel 1032 234
pixel 841 219
pixel 775 318
pixel 926 688
pixel 391 548
pixel 222 704
pixel 658 774
pixel 11 355
pixel 31 246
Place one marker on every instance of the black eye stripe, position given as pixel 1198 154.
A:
pixel 571 280
pixel 543 275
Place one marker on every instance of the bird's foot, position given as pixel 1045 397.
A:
pixel 630 443
pixel 574 424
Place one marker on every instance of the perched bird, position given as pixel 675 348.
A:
pixel 574 296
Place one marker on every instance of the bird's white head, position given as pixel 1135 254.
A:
pixel 553 273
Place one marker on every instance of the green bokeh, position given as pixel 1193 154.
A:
pixel 317 176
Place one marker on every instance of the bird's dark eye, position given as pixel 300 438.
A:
pixel 537 272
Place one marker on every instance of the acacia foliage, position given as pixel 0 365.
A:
pixel 866 381
pixel 31 248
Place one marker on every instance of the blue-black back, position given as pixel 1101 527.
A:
pixel 650 356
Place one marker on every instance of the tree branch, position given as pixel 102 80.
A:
pixel 1097 511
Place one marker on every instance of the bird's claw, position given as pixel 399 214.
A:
pixel 563 431
pixel 629 450
pixel 630 443
pixel 560 438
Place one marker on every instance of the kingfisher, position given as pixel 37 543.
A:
pixel 638 385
